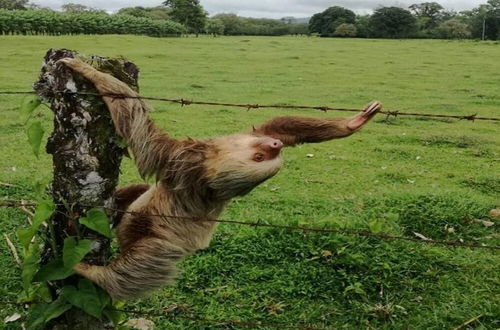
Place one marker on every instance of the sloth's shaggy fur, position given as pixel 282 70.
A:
pixel 194 178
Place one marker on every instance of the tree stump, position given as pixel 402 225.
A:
pixel 86 155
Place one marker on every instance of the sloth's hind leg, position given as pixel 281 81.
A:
pixel 146 265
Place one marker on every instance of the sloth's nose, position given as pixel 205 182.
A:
pixel 275 144
pixel 271 143
pixel 271 146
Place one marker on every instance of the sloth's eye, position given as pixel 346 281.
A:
pixel 258 157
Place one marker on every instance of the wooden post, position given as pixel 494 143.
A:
pixel 86 158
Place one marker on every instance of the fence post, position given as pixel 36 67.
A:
pixel 86 155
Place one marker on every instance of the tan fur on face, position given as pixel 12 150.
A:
pixel 230 167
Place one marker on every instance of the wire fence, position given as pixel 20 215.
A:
pixel 250 106
pixel 172 315
pixel 360 233
pixel 351 232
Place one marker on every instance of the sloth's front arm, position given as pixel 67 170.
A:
pixel 153 149
pixel 296 130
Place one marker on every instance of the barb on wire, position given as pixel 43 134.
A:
pixel 364 233
pixel 249 106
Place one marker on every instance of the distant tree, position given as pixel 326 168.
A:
pixel 232 23
pixel 392 22
pixel 492 20
pixel 345 30
pixel 78 8
pixel 299 28
pixel 454 29
pixel 215 27
pixel 288 19
pixel 327 21
pixel 236 25
pixel 189 13
pixel 158 12
pixel 428 12
pixel 484 19
pixel 363 26
pixel 316 23
pixel 133 11
pixel 429 15
pixel 13 4
pixel 446 15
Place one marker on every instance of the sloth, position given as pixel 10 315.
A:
pixel 195 179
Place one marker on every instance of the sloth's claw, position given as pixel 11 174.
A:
pixel 359 120
pixel 372 108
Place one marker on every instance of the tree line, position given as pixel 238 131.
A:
pixel 175 17
pixel 47 22
pixel 192 15
pixel 421 20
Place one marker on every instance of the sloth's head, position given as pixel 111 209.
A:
pixel 240 162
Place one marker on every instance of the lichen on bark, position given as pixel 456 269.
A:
pixel 85 149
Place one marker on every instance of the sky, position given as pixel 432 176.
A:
pixel 268 8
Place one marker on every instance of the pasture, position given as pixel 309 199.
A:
pixel 438 178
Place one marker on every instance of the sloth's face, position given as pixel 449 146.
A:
pixel 241 162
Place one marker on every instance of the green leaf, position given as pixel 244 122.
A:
pixel 103 296
pixel 376 226
pixel 391 217
pixel 43 313
pixel 42 291
pixel 29 104
pixel 86 297
pixel 356 287
pixel 35 134
pixel 37 292
pixel 114 316
pixel 98 221
pixel 30 267
pixel 44 210
pixel 52 271
pixel 25 235
pixel 73 251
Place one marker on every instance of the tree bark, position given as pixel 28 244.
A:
pixel 86 157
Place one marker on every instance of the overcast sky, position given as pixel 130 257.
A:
pixel 268 8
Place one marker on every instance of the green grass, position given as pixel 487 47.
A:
pixel 413 175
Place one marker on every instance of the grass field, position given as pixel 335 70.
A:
pixel 433 177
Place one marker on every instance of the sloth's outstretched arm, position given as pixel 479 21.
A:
pixel 152 148
pixel 295 130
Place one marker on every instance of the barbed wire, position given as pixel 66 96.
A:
pixel 364 233
pixel 250 106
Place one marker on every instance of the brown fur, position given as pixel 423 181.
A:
pixel 194 178
pixel 125 196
